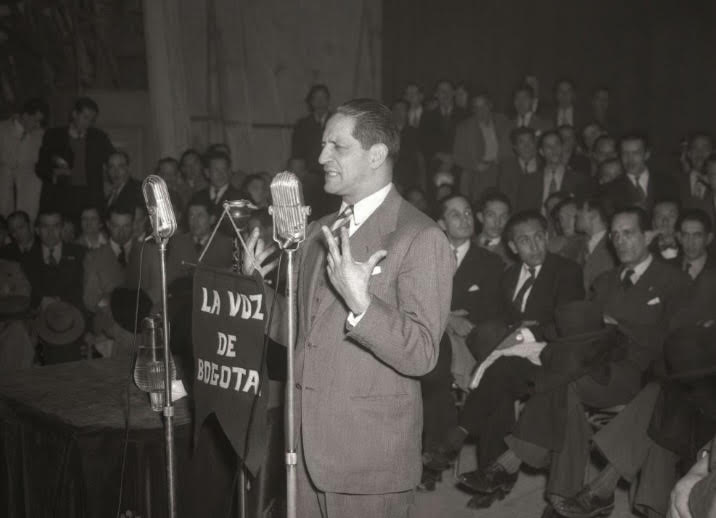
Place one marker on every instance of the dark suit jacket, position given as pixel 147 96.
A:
pixel 12 252
pixel 130 195
pixel 437 133
pixel 409 169
pixel 469 151
pixel 306 141
pixel 621 192
pixel 602 259
pixel 510 177
pixel 476 285
pixel 56 142
pixel 646 310
pixel 559 281
pixel 530 190
pixel 64 280
pixel 360 403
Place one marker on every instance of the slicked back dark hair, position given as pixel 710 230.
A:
pixel 87 103
pixel 642 217
pixel 524 217
pixel 635 135
pixel 516 133
pixel 493 195
pixel 374 124
pixel 442 203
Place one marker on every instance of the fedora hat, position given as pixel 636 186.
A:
pixel 60 323
pixel 14 289
pixel 690 353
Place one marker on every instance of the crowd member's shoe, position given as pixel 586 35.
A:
pixel 493 479
pixel 429 480
pixel 585 504
pixel 444 455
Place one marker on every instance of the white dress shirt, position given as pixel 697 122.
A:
pixel 362 210
pixel 530 166
pixel 461 251
pixel 116 248
pixel 642 180
pixel 524 275
pixel 523 121
pixel 56 252
pixel 558 174
pixel 696 266
pixel 216 194
pixel 565 116
pixel 698 189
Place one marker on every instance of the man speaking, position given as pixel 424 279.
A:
pixel 374 289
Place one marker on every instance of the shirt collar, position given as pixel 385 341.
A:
pixel 46 251
pixel 697 265
pixel 74 133
pixel 489 241
pixel 642 178
pixel 640 268
pixel 218 193
pixel 594 240
pixel 525 272
pixel 116 247
pixel 364 208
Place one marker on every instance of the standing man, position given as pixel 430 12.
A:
pixel 71 161
pixel 20 139
pixel 372 307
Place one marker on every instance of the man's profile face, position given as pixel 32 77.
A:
pixel 529 242
pixel 523 102
pixel 218 172
pixel 629 240
pixel 120 227
pixel 694 239
pixel 583 219
pixel 346 164
pixel 565 94
pixel 90 222
pixel 493 218
pixel 49 227
pixel 170 172
pixel 199 221
pixel 526 147
pixel 567 218
pixel 84 119
pixel 20 230
pixel 458 221
pixel 117 169
pixel 552 150
pixel 699 151
pixel 634 156
pixel 664 218
pixel 590 134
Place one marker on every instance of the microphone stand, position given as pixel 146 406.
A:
pixel 168 404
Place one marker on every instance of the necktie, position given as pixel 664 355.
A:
pixel 687 268
pixel 51 259
pixel 552 183
pixel 522 294
pixel 121 256
pixel 454 251
pixel 112 197
pixel 627 281
pixel 639 188
pixel 344 220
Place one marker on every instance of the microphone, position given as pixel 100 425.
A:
pixel 288 211
pixel 159 207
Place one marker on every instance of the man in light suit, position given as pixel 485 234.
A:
pixel 597 254
pixel 481 141
pixel 372 308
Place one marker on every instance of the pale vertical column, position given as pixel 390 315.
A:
pixel 167 78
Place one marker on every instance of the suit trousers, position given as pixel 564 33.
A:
pixel 311 502
pixel 568 463
pixel 439 412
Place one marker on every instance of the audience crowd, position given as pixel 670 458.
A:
pixel 584 300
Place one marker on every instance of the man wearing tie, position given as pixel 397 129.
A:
pixel 694 233
pixel 565 96
pixel 525 117
pixel 124 190
pixel 218 172
pixel 372 307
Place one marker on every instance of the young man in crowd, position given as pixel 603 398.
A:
pixel 523 161
pixel 23 238
pixel 493 214
pixel 123 189
pixel 597 254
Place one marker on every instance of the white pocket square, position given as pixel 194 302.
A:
pixel 376 270
pixel 472 288
pixel 654 301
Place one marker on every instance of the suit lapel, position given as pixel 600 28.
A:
pixel 543 278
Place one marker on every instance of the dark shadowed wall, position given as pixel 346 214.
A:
pixel 657 56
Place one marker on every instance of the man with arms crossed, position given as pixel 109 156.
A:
pixel 372 307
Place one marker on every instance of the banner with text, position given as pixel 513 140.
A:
pixel 228 321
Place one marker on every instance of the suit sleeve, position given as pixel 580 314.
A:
pixel 572 286
pixel 407 337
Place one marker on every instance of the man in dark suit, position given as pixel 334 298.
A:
pixel 597 255
pixel 695 234
pixel 55 268
pixel 523 100
pixel 366 329
pixel 692 182
pixel 71 161
pixel 413 95
pixel 641 297
pixel 409 170
pixel 639 186
pixel 475 290
pixel 493 213
pixel 124 190
pixel 437 126
pixel 524 161
pixel 481 141
pixel 307 133
pixel 530 290
pixel 555 176
pixel 23 242
pixel 565 111
pixel 218 172
pixel 572 156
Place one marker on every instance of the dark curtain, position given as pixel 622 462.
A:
pixel 655 55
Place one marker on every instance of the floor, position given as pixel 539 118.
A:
pixel 525 500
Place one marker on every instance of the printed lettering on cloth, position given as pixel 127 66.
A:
pixel 228 319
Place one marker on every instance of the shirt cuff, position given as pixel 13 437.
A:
pixel 527 335
pixel 353 320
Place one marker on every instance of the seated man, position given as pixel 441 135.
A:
pixel 92 236
pixel 523 162
pixel 123 189
pixel 641 297
pixel 55 268
pixel 597 255
pixel 23 238
pixel 695 236
pixel 664 217
pixel 530 290
pixel 475 289
pixel 493 214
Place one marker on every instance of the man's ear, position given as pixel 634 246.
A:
pixel 709 238
pixel 442 225
pixel 513 247
pixel 378 155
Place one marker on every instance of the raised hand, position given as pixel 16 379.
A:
pixel 349 277
pixel 257 252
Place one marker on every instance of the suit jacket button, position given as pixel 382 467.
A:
pixel 298 386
